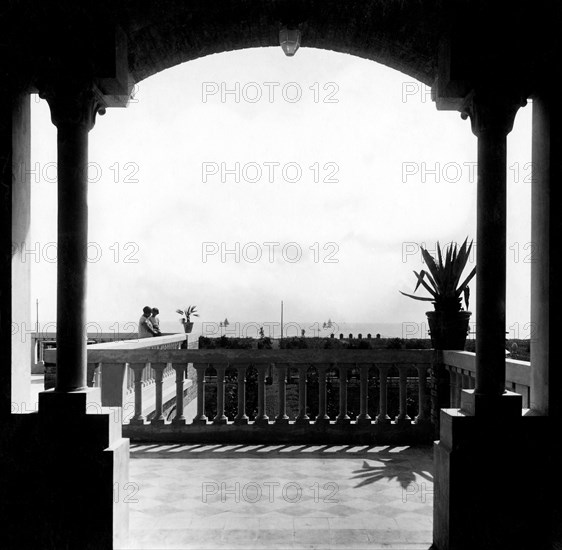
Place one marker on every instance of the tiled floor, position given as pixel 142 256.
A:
pixel 280 497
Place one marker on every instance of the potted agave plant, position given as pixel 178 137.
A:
pixel 448 324
pixel 186 317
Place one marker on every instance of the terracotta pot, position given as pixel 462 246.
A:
pixel 448 330
pixel 188 327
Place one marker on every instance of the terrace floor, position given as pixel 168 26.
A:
pixel 280 497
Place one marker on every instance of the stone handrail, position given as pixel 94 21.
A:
pixel 108 365
pixel 462 368
pixel 383 368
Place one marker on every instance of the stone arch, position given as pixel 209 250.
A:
pixel 403 36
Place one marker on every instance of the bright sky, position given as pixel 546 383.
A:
pixel 372 136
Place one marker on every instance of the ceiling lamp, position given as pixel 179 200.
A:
pixel 289 40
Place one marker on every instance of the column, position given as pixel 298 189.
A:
pixel 73 110
pixel 546 228
pixel 492 115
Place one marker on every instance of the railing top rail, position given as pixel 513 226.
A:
pixel 232 356
pixel 126 346
pixel 518 372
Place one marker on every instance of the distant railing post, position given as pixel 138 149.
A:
pixel 302 418
pixel 200 368
pixel 322 417
pixel 282 417
pixel 422 374
pixel 241 417
pixel 261 417
pixel 179 419
pixel 138 369
pixel 382 417
pixel 343 417
pixel 363 417
pixel 220 417
pixel 403 417
pixel 158 382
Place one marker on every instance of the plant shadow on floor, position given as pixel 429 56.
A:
pixel 392 467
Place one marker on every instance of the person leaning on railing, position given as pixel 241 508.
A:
pixel 146 330
pixel 153 319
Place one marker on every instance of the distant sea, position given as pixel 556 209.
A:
pixel 273 328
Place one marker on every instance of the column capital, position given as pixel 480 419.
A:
pixel 491 112
pixel 73 103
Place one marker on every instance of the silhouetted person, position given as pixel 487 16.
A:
pixel 155 322
pixel 146 329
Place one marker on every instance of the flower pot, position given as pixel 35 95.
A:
pixel 448 330
pixel 188 327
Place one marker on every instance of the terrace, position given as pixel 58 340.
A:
pixel 66 467
pixel 208 481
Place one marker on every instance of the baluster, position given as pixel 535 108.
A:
pixel 302 418
pixel 322 417
pixel 282 417
pixel 97 376
pixel 453 387
pixel 241 417
pixel 343 417
pixel 200 369
pixel 91 374
pixel 465 380
pixel 471 381
pixel 220 418
pixel 422 379
pixel 130 378
pixel 158 379
pixel 458 388
pixel 261 418
pixel 179 419
pixel 382 417
pixel 363 417
pixel 138 369
pixel 403 417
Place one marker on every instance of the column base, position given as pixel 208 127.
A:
pixel 486 493
pixel 508 405
pixel 68 477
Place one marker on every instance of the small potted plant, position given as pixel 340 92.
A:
pixel 186 317
pixel 448 324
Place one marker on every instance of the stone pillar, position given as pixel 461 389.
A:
pixel 73 110
pixel 486 442
pixel 546 228
pixel 15 344
pixel 491 117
